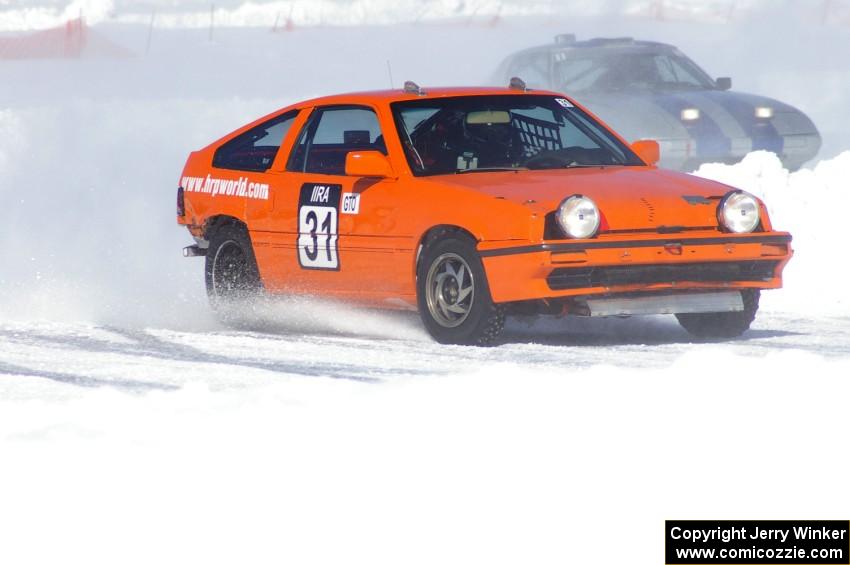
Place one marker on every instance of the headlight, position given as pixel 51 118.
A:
pixel 578 217
pixel 690 114
pixel 764 112
pixel 739 212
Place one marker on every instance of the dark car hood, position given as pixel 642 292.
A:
pixel 640 114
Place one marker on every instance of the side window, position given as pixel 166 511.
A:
pixel 330 134
pixel 672 72
pixel 255 150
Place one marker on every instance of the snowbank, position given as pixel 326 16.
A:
pixel 266 13
pixel 46 14
pixel 812 204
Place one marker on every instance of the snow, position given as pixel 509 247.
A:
pixel 809 203
pixel 26 14
pixel 135 429
pixel 492 464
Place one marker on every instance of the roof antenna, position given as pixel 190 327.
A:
pixel 390 72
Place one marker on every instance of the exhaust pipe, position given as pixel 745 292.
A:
pixel 194 251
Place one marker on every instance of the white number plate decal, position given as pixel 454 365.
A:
pixel 318 233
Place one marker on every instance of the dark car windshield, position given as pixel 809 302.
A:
pixel 579 70
pixel 503 132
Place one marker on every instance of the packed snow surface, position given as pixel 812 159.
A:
pixel 134 429
pixel 218 447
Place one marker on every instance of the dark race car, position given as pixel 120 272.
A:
pixel 649 90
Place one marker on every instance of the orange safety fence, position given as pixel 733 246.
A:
pixel 72 40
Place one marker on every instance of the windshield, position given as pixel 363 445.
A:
pixel 507 132
pixel 580 70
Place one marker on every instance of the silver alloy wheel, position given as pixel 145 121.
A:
pixel 449 290
pixel 228 270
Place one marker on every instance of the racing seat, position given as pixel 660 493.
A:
pixel 379 144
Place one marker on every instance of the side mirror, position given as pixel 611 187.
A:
pixel 367 164
pixel 648 151
pixel 723 83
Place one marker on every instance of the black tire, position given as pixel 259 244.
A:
pixel 450 311
pixel 723 324
pixel 232 278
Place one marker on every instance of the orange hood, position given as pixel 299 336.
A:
pixel 628 197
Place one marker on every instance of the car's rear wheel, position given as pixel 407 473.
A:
pixel 723 324
pixel 453 294
pixel 232 278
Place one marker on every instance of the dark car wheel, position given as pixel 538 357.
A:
pixel 723 324
pixel 793 166
pixel 232 277
pixel 453 294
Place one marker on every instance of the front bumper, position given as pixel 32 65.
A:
pixel 793 149
pixel 639 263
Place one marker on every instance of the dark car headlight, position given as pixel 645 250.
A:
pixel 764 112
pixel 690 114
pixel 739 212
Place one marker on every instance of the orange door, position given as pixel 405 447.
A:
pixel 376 240
pixel 326 233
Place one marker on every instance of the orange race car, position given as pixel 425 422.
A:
pixel 470 204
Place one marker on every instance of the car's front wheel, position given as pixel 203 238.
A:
pixel 232 277
pixel 723 324
pixel 453 294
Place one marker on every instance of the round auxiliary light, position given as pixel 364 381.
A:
pixel 578 217
pixel 738 212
